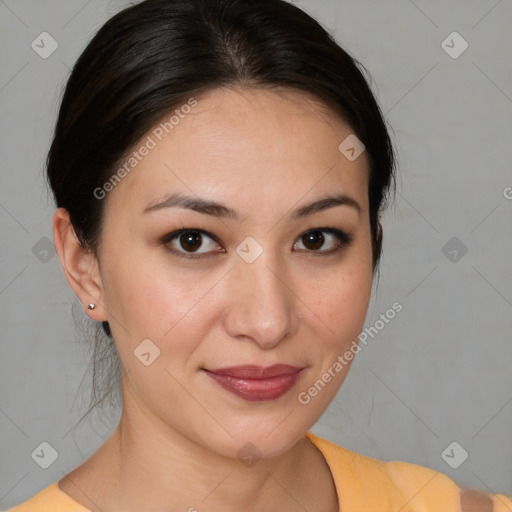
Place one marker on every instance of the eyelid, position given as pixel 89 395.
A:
pixel 343 238
pixel 174 234
pixel 165 240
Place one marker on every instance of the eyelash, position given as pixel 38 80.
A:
pixel 344 239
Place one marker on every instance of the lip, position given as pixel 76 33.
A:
pixel 256 383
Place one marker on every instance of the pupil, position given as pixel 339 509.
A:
pixel 315 239
pixel 191 240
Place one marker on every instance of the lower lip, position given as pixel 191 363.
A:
pixel 256 390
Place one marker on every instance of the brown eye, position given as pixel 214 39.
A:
pixel 315 239
pixel 191 240
pixel 188 242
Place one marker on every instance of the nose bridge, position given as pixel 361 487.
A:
pixel 262 305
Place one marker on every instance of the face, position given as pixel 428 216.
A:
pixel 191 293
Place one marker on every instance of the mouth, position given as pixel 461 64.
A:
pixel 256 383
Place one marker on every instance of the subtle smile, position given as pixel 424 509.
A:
pixel 256 383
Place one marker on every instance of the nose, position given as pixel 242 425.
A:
pixel 262 305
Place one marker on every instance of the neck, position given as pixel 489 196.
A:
pixel 147 465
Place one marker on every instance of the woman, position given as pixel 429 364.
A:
pixel 220 168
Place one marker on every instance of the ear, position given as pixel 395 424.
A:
pixel 80 266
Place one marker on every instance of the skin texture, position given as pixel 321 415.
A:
pixel 263 154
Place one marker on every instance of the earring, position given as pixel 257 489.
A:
pixel 91 306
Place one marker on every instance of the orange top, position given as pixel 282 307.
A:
pixel 363 485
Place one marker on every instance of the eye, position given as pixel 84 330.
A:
pixel 314 239
pixel 187 242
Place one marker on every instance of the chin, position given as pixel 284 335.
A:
pixel 263 440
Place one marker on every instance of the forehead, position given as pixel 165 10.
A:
pixel 250 146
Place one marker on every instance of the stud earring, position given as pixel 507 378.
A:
pixel 91 306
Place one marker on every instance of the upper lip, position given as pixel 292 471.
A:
pixel 257 372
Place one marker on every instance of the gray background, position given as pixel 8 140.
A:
pixel 438 372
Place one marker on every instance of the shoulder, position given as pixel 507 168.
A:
pixel 366 482
pixel 429 486
pixel 50 499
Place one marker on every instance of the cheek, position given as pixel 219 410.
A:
pixel 339 315
pixel 144 295
pixel 342 300
pixel 345 305
pixel 150 300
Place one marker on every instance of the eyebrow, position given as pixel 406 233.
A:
pixel 220 210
